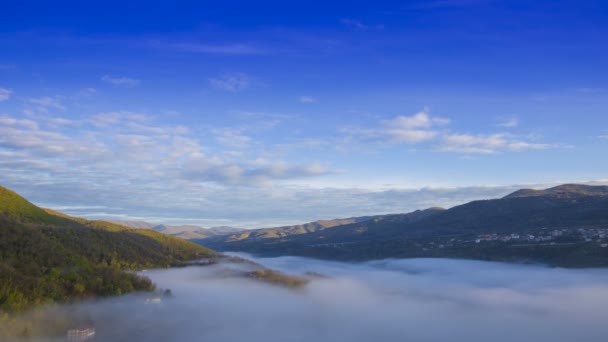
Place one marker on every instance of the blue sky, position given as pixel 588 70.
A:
pixel 265 113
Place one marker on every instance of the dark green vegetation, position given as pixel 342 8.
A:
pixel 277 278
pixel 47 257
pixel 476 230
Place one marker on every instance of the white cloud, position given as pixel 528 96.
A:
pixel 121 81
pixel 46 102
pixel 603 137
pixel 62 122
pixel 417 128
pixel 112 118
pixel 412 129
pixel 418 120
pixel 232 82
pixel 7 121
pixel 307 99
pixel 117 152
pixel 423 128
pixel 510 122
pixel 486 144
pixel 410 136
pixel 5 94
pixel 248 173
pixel 231 137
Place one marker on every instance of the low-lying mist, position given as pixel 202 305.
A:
pixel 391 300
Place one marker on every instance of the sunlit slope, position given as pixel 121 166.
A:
pixel 16 208
pixel 48 256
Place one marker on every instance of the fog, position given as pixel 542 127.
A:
pixel 391 300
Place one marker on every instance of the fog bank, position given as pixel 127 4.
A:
pixel 390 300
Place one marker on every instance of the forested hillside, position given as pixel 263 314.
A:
pixel 46 256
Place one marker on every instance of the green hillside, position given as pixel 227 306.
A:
pixel 47 256
pixel 16 208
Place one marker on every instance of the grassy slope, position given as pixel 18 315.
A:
pixel 47 256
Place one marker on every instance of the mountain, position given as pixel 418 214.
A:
pixel 578 213
pixel 225 230
pixel 187 232
pixel 16 208
pixel 563 191
pixel 133 224
pixel 338 228
pixel 47 256
pixel 284 231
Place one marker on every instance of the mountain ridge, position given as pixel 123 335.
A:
pixel 567 190
pixel 186 232
pixel 577 210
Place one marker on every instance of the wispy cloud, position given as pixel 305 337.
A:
pixel 46 102
pixel 231 137
pixel 402 129
pixel 413 129
pixel 359 25
pixel 139 148
pixel 487 144
pixel 250 173
pixel 121 81
pixel 424 128
pixel 603 137
pixel 354 23
pixel 87 92
pixel 232 82
pixel 8 121
pixel 5 94
pixel 508 122
pixel 107 119
pixel 307 99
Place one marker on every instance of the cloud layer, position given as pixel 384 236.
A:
pixel 389 300
pixel 434 131
pixel 5 94
pixel 128 164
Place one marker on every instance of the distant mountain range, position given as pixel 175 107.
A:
pixel 575 211
pixel 328 227
pixel 187 232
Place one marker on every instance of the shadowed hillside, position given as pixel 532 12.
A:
pixel 565 225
